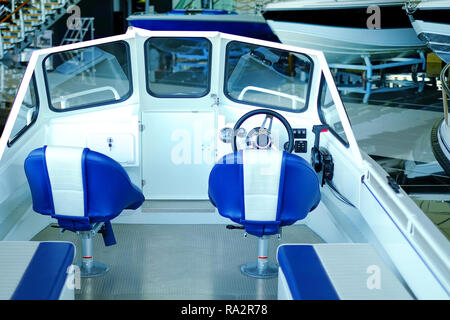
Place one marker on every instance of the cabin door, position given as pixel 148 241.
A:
pixel 178 146
pixel 177 154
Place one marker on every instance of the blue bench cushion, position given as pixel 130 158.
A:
pixel 34 270
pixel 304 273
pixel 346 271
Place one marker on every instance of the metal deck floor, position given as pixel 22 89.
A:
pixel 178 262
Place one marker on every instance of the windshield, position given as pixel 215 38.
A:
pixel 328 112
pixel 267 77
pixel 178 67
pixel 89 76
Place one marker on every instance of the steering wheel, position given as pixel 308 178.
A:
pixel 263 134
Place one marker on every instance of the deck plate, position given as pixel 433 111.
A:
pixel 178 262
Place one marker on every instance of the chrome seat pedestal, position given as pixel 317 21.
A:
pixel 89 267
pixel 262 268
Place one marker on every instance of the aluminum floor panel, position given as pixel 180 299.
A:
pixel 178 262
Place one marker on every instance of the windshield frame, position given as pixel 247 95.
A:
pixel 12 140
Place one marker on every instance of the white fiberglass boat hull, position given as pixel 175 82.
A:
pixel 348 45
pixel 345 29
pixel 438 37
pixel 432 25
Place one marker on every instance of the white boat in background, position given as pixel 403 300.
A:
pixel 243 24
pixel 431 22
pixel 345 30
pixel 440 133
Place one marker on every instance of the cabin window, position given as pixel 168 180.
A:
pixel 178 67
pixel 328 112
pixel 267 77
pixel 28 112
pixel 88 77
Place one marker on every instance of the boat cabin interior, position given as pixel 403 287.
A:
pixel 200 165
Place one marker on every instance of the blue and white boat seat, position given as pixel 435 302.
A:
pixel 32 270
pixel 346 271
pixel 263 190
pixel 84 190
pixel 79 187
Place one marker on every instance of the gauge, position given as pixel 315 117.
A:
pixel 226 134
pixel 241 133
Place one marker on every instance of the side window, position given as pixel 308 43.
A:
pixel 248 68
pixel 328 112
pixel 89 76
pixel 27 114
pixel 178 67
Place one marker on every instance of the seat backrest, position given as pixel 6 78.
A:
pixel 261 179
pixel 79 184
pixel 263 189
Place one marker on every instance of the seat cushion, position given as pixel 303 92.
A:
pixel 345 271
pixel 34 270
pixel 304 273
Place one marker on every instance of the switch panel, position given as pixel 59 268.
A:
pixel 300 146
pixel 299 133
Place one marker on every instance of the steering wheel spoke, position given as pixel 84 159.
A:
pixel 268 116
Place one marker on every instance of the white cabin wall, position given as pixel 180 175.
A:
pixel 29 224
pixel 15 195
pixel 92 127
pixel 323 223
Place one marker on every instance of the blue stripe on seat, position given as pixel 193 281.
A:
pixel 304 273
pixel 46 273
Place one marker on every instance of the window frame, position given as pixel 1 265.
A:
pixel 92 105
pixel 20 133
pixel 308 94
pixel 321 115
pixel 147 84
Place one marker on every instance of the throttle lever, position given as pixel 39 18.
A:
pixel 315 152
pixel 321 159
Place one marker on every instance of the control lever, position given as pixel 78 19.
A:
pixel 315 154
pixel 321 159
